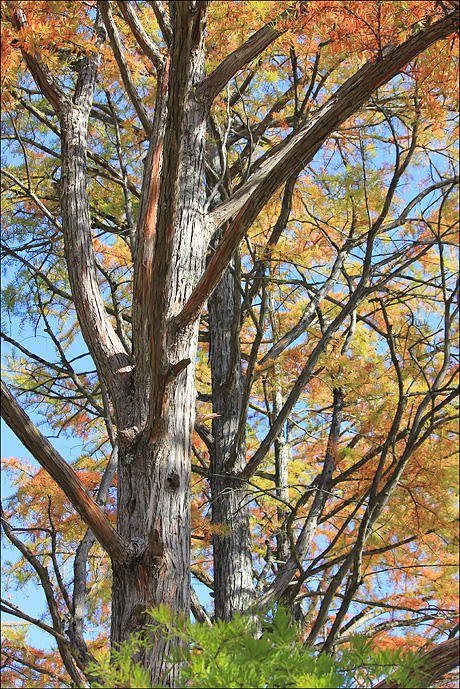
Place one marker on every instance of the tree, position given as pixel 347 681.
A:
pixel 243 214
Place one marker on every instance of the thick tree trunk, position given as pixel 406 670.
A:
pixel 154 470
pixel 152 396
pixel 233 579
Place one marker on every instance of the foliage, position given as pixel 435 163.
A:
pixel 255 653
pixel 343 336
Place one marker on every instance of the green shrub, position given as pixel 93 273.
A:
pixel 233 654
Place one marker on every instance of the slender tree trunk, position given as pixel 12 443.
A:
pixel 282 456
pixel 282 453
pixel 233 579
pixel 232 562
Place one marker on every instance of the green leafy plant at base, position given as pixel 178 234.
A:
pixel 243 653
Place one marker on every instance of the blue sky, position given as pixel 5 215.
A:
pixel 30 598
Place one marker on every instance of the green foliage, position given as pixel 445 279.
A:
pixel 117 669
pixel 246 653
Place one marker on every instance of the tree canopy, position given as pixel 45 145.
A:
pixel 231 227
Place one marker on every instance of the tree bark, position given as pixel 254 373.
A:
pixel 245 204
pixel 153 392
pixel 232 562
pixel 153 508
pixel 63 474
pixel 282 457
pixel 233 579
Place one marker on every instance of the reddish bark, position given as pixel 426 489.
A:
pixel 153 390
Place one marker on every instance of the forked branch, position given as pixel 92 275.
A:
pixel 247 202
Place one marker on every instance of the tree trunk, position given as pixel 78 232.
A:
pixel 154 470
pixel 233 579
pixel 282 455
pixel 153 391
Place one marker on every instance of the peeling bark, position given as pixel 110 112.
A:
pixel 153 390
pixel 155 456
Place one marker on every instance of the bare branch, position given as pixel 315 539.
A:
pixel 305 538
pixel 76 626
pixel 255 45
pixel 198 611
pixel 162 19
pixel 34 198
pixel 40 72
pixel 13 610
pixel 298 150
pixel 45 581
pixel 124 67
pixel 148 46
pixel 64 475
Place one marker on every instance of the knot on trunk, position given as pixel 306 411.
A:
pixel 173 480
pixel 129 437
pixel 156 546
pixel 138 618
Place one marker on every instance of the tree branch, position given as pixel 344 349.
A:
pixel 11 609
pixel 45 581
pixel 162 19
pixel 124 67
pixel 76 627
pixel 307 534
pixel 103 343
pixel 37 668
pixel 157 297
pixel 298 150
pixel 35 199
pixel 64 475
pixel 40 72
pixel 198 611
pixel 50 284
pixel 256 44
pixel 310 312
pixel 435 663
pixel 150 49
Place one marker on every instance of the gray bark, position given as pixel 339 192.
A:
pixel 153 392
pixel 232 562
pixel 282 453
pixel 282 457
pixel 155 453
pixel 233 579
